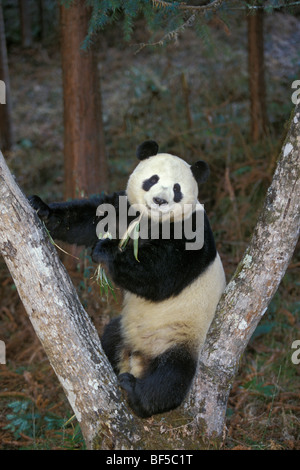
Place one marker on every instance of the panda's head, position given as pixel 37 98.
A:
pixel 165 184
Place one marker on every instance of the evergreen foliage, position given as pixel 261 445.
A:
pixel 167 15
pixel 170 16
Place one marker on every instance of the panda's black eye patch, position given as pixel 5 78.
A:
pixel 147 184
pixel 177 192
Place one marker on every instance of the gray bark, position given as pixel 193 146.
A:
pixel 252 287
pixel 61 323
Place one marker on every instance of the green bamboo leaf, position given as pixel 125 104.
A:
pixel 136 241
pixel 104 283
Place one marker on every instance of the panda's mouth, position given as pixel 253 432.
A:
pixel 156 208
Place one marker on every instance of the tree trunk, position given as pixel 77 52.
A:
pixel 252 287
pixel 25 23
pixel 257 75
pixel 42 35
pixel 6 131
pixel 73 346
pixel 84 150
pixel 61 323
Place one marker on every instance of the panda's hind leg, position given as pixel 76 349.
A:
pixel 112 342
pixel 163 385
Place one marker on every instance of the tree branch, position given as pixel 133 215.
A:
pixel 252 287
pixel 61 323
pixel 194 8
pixel 171 35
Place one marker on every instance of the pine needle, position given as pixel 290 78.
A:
pixel 69 420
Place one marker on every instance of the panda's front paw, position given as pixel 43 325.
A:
pixel 127 382
pixel 42 209
pixel 103 250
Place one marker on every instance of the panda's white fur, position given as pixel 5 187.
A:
pixel 150 329
pixel 171 169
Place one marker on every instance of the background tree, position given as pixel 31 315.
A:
pixel 25 21
pixel 258 113
pixel 84 150
pixel 6 127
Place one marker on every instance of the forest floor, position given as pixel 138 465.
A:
pixel 193 99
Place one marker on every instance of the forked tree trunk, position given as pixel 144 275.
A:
pixel 84 150
pixel 73 346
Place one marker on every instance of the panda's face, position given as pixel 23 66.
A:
pixel 164 185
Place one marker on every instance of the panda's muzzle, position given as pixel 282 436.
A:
pixel 159 201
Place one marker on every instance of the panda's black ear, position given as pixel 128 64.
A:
pixel 200 171
pixel 147 149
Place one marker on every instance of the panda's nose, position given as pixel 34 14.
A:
pixel 159 201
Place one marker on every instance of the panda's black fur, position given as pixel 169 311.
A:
pixel 156 362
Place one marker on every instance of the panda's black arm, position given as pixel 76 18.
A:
pixel 75 221
pixel 163 269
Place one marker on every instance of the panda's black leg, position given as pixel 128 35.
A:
pixel 163 386
pixel 112 342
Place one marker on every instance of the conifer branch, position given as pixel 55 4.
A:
pixel 268 7
pixel 194 8
pixel 171 35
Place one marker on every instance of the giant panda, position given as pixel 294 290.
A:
pixel 170 292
